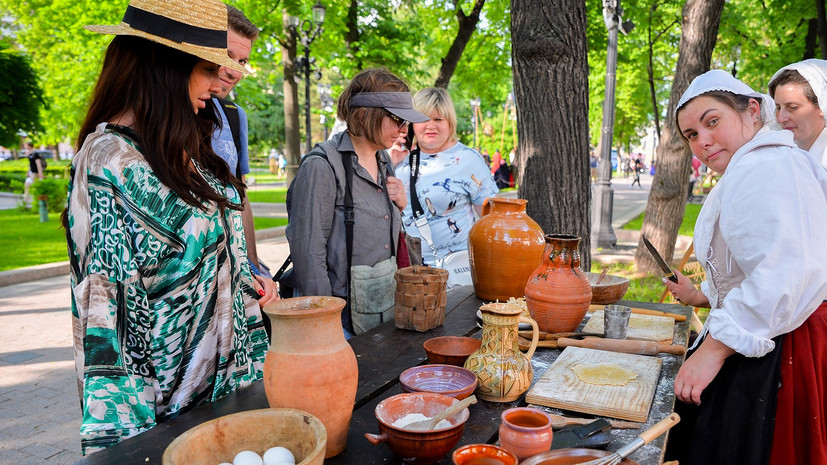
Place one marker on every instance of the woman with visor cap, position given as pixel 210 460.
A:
pixel 759 239
pixel 800 94
pixel 351 177
pixel 164 306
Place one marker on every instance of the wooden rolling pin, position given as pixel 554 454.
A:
pixel 645 311
pixel 624 346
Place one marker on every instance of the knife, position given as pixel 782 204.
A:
pixel 660 261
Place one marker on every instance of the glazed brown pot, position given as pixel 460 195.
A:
pixel 419 447
pixel 525 431
pixel 558 293
pixel 571 457
pixel 504 247
pixel 308 360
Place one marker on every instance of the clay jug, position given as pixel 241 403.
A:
pixel 504 247
pixel 503 372
pixel 310 366
pixel 558 293
pixel 525 431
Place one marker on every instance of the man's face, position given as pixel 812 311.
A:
pixel 238 48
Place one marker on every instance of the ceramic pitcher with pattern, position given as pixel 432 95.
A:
pixel 503 372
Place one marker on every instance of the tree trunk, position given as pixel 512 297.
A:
pixel 551 96
pixel 291 104
pixel 467 26
pixel 810 39
pixel 821 19
pixel 352 34
pixel 667 200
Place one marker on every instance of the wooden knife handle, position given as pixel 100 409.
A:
pixel 623 346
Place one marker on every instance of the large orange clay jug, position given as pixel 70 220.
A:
pixel 310 366
pixel 504 247
pixel 558 293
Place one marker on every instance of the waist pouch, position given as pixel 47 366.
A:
pixel 372 290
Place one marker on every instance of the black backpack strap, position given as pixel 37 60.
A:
pixel 231 112
pixel 413 161
pixel 350 217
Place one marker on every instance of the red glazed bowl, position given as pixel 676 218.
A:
pixel 418 447
pixel 570 457
pixel 483 453
pixel 448 380
pixel 450 350
pixel 610 290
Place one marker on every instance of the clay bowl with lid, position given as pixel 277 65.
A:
pixel 570 457
pixel 611 288
pixel 418 447
pixel 450 350
pixel 448 380
pixel 219 440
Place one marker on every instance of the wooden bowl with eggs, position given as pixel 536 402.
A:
pixel 220 440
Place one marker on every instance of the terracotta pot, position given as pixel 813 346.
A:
pixel 483 454
pixel 525 431
pixel 504 373
pixel 308 360
pixel 504 247
pixel 571 457
pixel 558 293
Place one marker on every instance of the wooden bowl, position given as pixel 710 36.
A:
pixel 570 457
pixel 419 447
pixel 450 350
pixel 483 453
pixel 448 380
pixel 219 440
pixel 611 289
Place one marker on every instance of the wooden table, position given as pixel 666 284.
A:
pixel 383 354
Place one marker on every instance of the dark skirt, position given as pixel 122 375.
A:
pixel 734 423
pixel 800 432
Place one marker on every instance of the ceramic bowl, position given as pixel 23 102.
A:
pixel 611 289
pixel 418 447
pixel 570 457
pixel 448 380
pixel 483 453
pixel 450 350
pixel 219 440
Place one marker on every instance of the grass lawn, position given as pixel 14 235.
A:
pixel 268 195
pixel 687 226
pixel 26 241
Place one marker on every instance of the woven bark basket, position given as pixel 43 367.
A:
pixel 421 295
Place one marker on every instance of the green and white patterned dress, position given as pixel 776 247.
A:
pixel 160 317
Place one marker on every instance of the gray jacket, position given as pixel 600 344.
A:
pixel 316 231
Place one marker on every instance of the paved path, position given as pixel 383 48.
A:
pixel 39 408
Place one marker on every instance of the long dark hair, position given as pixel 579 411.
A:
pixel 152 81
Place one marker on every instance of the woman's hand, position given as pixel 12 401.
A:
pixel 396 192
pixel 685 292
pixel 266 288
pixel 700 369
pixel 398 151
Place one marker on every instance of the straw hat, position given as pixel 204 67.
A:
pixel 195 27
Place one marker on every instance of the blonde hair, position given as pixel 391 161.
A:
pixel 436 101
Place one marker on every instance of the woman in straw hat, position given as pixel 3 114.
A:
pixel 163 319
pixel 759 236
pixel 800 94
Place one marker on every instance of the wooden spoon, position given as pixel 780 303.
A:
pixel 430 423
pixel 602 275
pixel 559 421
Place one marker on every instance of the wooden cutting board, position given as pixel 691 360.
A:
pixel 641 327
pixel 560 387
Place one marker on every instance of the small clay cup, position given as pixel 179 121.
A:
pixel 525 431
pixel 483 453
pixel 450 350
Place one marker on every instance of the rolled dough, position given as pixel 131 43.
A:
pixel 603 374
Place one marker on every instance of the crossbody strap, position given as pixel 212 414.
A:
pixel 420 221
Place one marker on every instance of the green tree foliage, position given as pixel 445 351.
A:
pixel 20 96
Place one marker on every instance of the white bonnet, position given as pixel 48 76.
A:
pixel 815 72
pixel 717 79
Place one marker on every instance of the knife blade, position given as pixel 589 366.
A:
pixel 660 261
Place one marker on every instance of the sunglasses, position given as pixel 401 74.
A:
pixel 399 121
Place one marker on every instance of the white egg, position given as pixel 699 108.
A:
pixel 278 456
pixel 247 457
